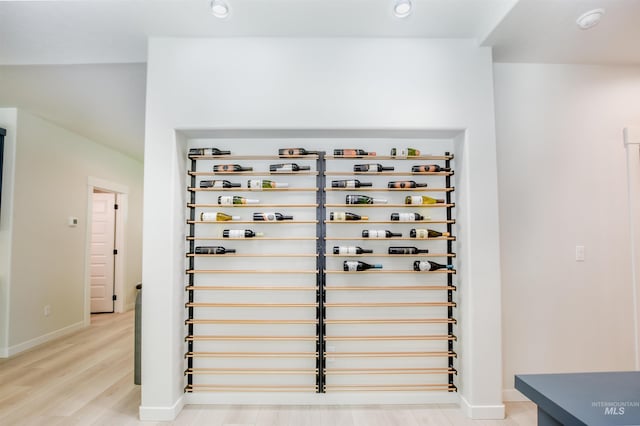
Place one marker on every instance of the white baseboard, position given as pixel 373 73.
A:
pixel 21 347
pixel 513 395
pixel 482 412
pixel 276 398
pixel 161 414
pixel 4 353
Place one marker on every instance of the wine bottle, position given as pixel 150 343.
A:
pixel 428 265
pixel 287 167
pixel 217 216
pixel 374 233
pixel 293 152
pixel 231 168
pixel 227 199
pixel 422 199
pixel 405 184
pixel 406 217
pixel 404 152
pixel 406 250
pixel 353 183
pixel 426 233
pixel 264 183
pixel 371 168
pixel 271 216
pixel 218 184
pixel 213 250
pixel 350 250
pixel 356 265
pixel 429 168
pixel 208 151
pixel 352 152
pixel 240 233
pixel 363 199
pixel 341 216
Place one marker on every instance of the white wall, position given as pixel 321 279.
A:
pixel 8 121
pixel 52 166
pixel 316 84
pixel 563 182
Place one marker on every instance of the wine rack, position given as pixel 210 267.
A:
pixel 256 323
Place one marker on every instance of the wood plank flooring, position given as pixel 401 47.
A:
pixel 87 379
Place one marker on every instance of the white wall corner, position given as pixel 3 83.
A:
pixel 482 412
pixel 513 395
pixel 161 414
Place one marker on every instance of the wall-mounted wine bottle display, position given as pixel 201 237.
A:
pixel 326 280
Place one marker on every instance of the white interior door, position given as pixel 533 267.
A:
pixel 102 252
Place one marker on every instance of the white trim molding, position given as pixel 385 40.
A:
pixel 21 347
pixel 161 414
pixel 482 412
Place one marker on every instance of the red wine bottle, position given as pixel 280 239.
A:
pixel 406 250
pixel 340 216
pixel 353 183
pixel 271 217
pixel 287 167
pixel 371 168
pixel 375 233
pixel 231 168
pixel 240 233
pixel 356 265
pixel 213 250
pixel 429 168
pixel 208 151
pixel 428 265
pixel 218 184
pixel 350 250
pixel 405 184
pixel 352 152
pixel 294 152
pixel 406 217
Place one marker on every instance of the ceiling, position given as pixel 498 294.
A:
pixel 81 63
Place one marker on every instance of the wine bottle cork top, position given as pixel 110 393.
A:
pixel 364 217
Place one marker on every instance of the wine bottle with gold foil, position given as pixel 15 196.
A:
pixel 426 233
pixel 422 199
pixel 404 152
pixel 235 199
pixel 217 216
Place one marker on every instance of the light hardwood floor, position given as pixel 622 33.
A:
pixel 87 379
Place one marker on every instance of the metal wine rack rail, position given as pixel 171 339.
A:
pixel 321 355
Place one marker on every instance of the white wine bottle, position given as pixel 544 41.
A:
pixel 240 233
pixel 422 199
pixel 426 233
pixel 356 265
pixel 227 199
pixel 428 265
pixel 406 217
pixel 265 183
pixel 363 199
pixel 217 216
pixel 404 152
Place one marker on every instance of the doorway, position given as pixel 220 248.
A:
pixel 103 251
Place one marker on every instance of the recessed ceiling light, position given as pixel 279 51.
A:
pixel 219 8
pixel 590 19
pixel 402 8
